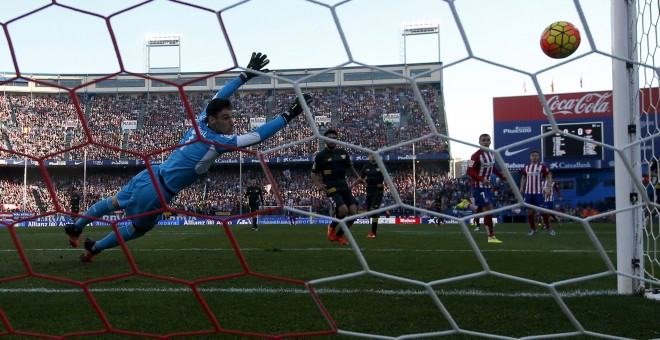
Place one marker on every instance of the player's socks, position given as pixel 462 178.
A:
pixel 99 209
pixel 374 224
pixel 546 220
pixel 340 232
pixel 530 219
pixel 488 221
pixel 112 241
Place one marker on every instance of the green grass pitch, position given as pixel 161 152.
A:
pixel 269 297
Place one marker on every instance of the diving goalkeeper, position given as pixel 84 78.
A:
pixel 183 167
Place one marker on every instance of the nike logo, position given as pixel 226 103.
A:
pixel 77 163
pixel 511 153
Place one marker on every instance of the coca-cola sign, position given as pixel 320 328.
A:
pixel 564 106
pixel 590 103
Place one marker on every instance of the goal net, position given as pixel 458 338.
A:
pixel 467 287
pixel 645 106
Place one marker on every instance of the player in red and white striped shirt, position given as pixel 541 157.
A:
pixel 534 185
pixel 480 169
pixel 550 201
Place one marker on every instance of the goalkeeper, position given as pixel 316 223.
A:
pixel 183 167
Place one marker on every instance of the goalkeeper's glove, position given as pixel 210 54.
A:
pixel 257 63
pixel 296 108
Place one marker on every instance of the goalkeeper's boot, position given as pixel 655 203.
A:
pixel 331 233
pixel 493 239
pixel 89 252
pixel 463 204
pixel 371 235
pixel 340 240
pixel 73 233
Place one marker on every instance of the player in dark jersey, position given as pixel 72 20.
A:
pixel 332 164
pixel 75 202
pixel 480 168
pixel 372 175
pixel 255 198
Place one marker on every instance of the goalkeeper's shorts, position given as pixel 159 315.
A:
pixel 140 196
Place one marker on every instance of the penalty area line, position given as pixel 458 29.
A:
pixel 398 292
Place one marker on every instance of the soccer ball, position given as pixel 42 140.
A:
pixel 560 39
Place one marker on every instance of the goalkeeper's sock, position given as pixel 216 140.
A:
pixel 488 221
pixel 99 209
pixel 374 224
pixel 112 241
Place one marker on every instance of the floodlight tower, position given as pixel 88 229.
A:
pixel 419 29
pixel 172 41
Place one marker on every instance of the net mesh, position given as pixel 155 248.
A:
pixel 89 142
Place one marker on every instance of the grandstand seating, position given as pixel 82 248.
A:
pixel 48 126
pixel 356 113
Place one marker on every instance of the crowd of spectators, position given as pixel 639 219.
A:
pixel 162 119
pixel 49 126
pixel 221 191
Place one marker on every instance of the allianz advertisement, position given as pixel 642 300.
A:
pixel 231 160
pixel 61 221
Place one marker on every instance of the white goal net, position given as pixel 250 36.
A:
pixel 481 51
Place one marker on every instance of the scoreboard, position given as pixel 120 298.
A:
pixel 560 145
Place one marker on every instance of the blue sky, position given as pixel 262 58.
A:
pixel 304 34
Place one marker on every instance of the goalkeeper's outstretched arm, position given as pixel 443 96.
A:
pixel 257 63
pixel 267 130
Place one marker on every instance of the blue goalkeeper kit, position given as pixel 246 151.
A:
pixel 181 169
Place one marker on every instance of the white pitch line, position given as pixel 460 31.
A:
pixel 335 249
pixel 402 292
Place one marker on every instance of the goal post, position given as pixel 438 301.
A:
pixel 626 113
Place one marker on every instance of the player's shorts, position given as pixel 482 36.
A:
pixel 254 207
pixel 482 197
pixel 341 197
pixel 374 199
pixel 140 196
pixel 535 199
pixel 549 205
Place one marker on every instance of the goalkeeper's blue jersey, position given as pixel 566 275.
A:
pixel 184 166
